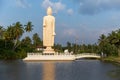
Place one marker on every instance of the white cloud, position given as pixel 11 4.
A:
pixel 70 32
pixel 57 6
pixel 70 11
pixel 107 31
pixel 97 6
pixel 22 3
pixel 46 3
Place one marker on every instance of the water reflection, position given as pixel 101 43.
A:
pixel 48 71
pixel 77 70
pixel 114 73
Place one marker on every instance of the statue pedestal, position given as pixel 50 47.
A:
pixel 49 50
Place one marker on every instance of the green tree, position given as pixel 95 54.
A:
pixel 114 38
pixel 27 44
pixel 36 40
pixel 95 48
pixel 69 47
pixel 28 27
pixel 58 48
pixel 102 40
pixel 1 32
pixel 14 33
pixel 11 37
pixel 17 33
pixel 9 34
pixel 107 44
pixel 74 48
pixel 27 41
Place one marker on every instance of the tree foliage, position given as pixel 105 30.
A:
pixel 13 47
pixel 36 40
pixel 110 45
pixel 28 27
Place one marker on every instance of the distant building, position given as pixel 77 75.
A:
pixel 39 48
pixel 66 51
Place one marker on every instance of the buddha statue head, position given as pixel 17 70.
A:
pixel 49 11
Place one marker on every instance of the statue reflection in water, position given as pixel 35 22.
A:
pixel 48 71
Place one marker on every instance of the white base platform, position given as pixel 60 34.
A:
pixel 56 57
pixel 49 58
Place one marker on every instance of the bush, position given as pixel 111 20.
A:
pixel 109 50
pixel 10 54
pixel 21 54
pixel 7 54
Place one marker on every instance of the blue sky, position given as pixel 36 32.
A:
pixel 84 20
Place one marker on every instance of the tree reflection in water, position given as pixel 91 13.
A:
pixel 114 73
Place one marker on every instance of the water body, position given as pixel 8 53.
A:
pixel 74 70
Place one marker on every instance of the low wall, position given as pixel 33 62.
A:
pixel 39 56
pixel 50 57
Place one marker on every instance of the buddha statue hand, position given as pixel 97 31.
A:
pixel 54 34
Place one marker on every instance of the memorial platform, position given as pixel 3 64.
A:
pixel 60 57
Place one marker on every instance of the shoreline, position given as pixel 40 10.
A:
pixel 114 60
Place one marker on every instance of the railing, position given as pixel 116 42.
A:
pixel 94 54
pixel 62 54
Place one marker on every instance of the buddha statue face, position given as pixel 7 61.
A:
pixel 49 11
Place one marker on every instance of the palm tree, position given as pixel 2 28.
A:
pixel 102 40
pixel 28 27
pixel 118 31
pixel 69 46
pixel 18 30
pixel 114 38
pixel 1 32
pixel 36 40
pixel 17 33
pixel 26 44
pixel 9 34
pixel 27 41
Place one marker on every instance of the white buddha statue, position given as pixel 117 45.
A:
pixel 48 31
